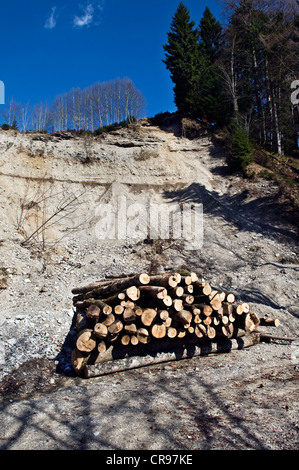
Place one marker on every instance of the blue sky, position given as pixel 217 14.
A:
pixel 52 46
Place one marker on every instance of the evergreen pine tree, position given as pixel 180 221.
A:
pixel 182 59
pixel 210 102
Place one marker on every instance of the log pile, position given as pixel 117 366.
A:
pixel 140 314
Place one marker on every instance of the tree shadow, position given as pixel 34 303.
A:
pixel 263 215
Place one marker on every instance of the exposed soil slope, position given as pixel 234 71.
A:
pixel 52 188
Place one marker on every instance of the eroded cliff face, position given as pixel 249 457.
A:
pixel 54 189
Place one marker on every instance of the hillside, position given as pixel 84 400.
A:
pixel 52 188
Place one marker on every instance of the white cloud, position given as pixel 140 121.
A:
pixel 51 20
pixel 87 18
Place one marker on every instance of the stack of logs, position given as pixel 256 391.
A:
pixel 131 310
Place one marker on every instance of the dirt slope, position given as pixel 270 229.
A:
pixel 57 183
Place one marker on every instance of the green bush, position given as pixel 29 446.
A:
pixel 5 127
pixel 241 154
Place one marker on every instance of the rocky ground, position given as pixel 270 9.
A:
pixel 53 188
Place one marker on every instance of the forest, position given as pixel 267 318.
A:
pixel 91 108
pixel 240 75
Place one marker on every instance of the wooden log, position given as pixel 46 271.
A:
pixel 102 305
pixel 269 321
pixel 86 341
pixel 130 328
pixel 228 330
pixel 187 298
pixel 134 340
pixel 148 316
pixel 93 313
pixel 216 302
pixel 238 309
pixel 118 309
pixel 133 293
pixel 100 330
pixel 143 336
pixel 202 328
pixel 249 321
pixel 206 310
pixel 189 289
pixel 171 332
pixel 102 347
pixel 164 280
pixel 81 321
pixel 115 328
pixel 216 321
pixel 227 308
pixel 156 292
pixel 207 320
pixel 246 308
pixel 125 340
pixel 177 304
pixel 90 287
pixel 158 331
pixel 230 298
pixel 195 309
pixel 176 291
pixel 167 322
pixel 181 333
pixel 163 315
pixel 120 276
pixel 129 315
pixel 138 311
pixel 79 360
pixel 203 349
pixel 183 316
pixel 127 304
pixel 108 320
pixel 119 285
pixel 196 319
pixel 112 338
pixel 211 332
pixel 186 280
pixel 207 289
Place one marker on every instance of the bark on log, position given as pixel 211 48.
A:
pixel 129 315
pixel 119 285
pixel 183 316
pixel 79 360
pixel 164 280
pixel 156 292
pixel 115 328
pixel 93 313
pixel 269 322
pixel 143 335
pixel 131 329
pixel 90 287
pixel 220 346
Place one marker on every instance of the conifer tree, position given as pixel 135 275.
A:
pixel 182 59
